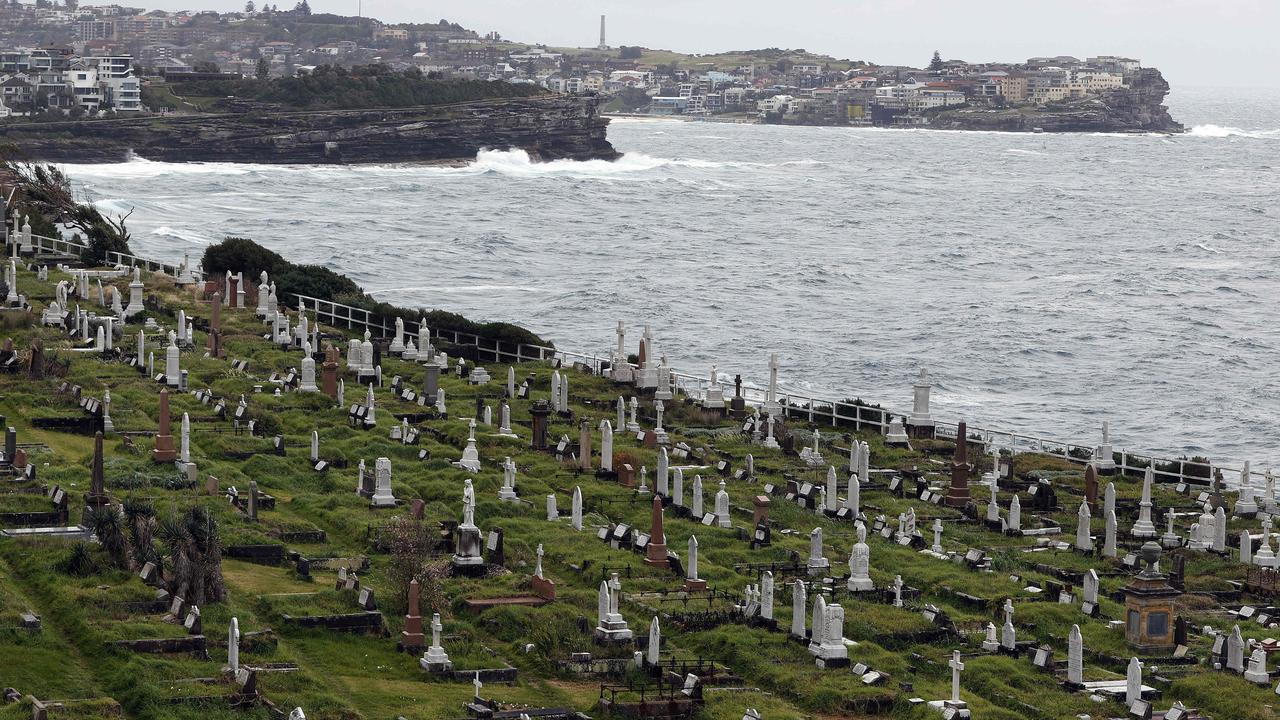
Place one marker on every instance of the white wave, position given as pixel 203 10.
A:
pixel 1220 131
pixel 1209 248
pixel 191 237
pixel 445 289
pixel 517 163
pixel 141 168
pixel 113 206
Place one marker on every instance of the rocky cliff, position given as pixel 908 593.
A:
pixel 547 127
pixel 1137 108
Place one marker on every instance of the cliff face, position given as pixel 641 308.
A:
pixel 1137 108
pixel 547 127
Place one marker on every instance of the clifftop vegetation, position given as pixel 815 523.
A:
pixel 331 87
pixel 243 255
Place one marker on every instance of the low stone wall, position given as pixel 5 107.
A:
pixel 261 554
pixel 363 622
pixel 194 644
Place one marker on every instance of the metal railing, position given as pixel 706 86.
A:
pixel 119 258
pixel 43 243
pixel 813 408
pixel 797 405
pixel 354 318
pixel 58 245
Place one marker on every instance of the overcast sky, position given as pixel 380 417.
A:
pixel 1195 42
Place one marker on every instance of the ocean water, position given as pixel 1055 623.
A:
pixel 1048 282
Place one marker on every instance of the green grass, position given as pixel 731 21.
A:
pixel 357 676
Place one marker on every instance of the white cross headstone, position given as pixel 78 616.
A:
pixel 956 666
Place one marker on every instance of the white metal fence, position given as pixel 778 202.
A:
pixel 43 243
pixel 816 409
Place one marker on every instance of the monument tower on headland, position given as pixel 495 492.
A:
pixel 603 45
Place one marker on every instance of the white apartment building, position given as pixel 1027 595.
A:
pixel 929 98
pixel 82 82
pixel 773 104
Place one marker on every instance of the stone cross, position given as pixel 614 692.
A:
pixel 897 591
pixel 537 571
pixel 436 628
pixel 956 666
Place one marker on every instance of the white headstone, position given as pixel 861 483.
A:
pixel 576 507
pixel 1084 540
pixel 1133 683
pixel 1075 657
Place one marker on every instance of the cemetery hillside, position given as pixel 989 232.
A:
pixel 239 488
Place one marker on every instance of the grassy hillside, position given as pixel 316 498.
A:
pixel 345 676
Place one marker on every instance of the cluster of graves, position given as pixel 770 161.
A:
pixel 726 545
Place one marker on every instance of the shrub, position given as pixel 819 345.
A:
pixel 79 561
pixel 235 254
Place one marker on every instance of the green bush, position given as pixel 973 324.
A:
pixel 235 254
pixel 364 86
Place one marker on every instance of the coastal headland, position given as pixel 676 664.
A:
pixel 548 127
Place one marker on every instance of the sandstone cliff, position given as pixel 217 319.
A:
pixel 1137 108
pixel 547 127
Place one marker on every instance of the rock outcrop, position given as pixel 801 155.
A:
pixel 547 127
pixel 1137 108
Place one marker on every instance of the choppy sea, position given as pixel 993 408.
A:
pixel 1047 281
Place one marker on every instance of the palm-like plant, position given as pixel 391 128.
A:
pixel 195 555
pixel 106 524
pixel 140 518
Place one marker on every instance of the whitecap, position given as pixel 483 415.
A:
pixel 1220 131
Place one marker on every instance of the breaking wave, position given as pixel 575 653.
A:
pixel 1221 131
pixel 518 163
